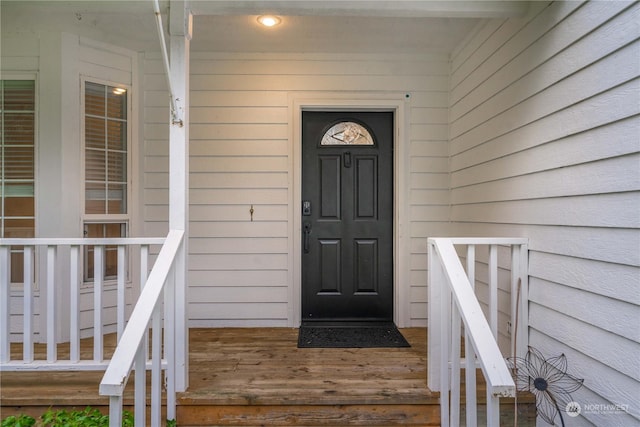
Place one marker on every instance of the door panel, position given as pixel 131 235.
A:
pixel 330 190
pixel 330 267
pixel 347 260
pixel 366 187
pixel 366 262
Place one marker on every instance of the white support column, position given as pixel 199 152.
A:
pixel 179 40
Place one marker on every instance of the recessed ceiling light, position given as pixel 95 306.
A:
pixel 269 20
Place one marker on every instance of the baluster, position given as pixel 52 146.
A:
pixel 523 317
pixel 27 286
pixel 140 386
pixel 5 313
pixel 169 341
pixel 471 265
pixel 493 290
pixel 455 365
pixel 156 366
pixel 515 270
pixel 445 334
pixel 74 319
pixel 182 336
pixel 493 409
pixel 115 411
pixel 144 273
pixel 51 305
pixel 98 276
pixel 144 265
pixel 469 353
pixel 121 303
pixel 140 408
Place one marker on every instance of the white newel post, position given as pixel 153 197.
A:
pixel 180 36
pixel 434 318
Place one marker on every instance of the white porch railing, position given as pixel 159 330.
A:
pixel 59 264
pixel 131 350
pixel 61 273
pixel 455 311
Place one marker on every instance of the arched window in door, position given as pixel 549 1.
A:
pixel 347 133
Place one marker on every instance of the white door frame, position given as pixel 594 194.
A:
pixel 360 101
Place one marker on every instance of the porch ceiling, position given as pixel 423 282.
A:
pixel 330 34
pixel 230 26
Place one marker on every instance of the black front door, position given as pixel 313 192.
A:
pixel 347 216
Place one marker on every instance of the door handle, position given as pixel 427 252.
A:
pixel 307 232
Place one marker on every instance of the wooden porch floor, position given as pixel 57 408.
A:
pixel 258 376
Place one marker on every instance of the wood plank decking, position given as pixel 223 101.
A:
pixel 258 376
pixel 278 383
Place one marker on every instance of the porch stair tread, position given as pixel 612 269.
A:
pixel 258 376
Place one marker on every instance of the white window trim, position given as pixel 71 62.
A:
pixel 95 218
pixel 105 218
pixel 16 289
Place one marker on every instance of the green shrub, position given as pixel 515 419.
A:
pixel 18 421
pixel 87 417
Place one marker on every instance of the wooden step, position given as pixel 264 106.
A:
pixel 309 415
pixel 278 384
pixel 258 377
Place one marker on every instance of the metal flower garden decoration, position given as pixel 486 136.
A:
pixel 548 380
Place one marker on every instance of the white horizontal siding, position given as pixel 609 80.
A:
pixel 105 62
pixel 577 211
pixel 16 320
pixel 240 156
pixel 610 140
pixel 545 143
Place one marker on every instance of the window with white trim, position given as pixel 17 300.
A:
pixel 106 169
pixel 17 165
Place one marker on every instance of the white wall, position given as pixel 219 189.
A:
pixel 545 144
pixel 241 155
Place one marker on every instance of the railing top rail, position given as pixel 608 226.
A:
pixel 497 375
pixel 483 240
pixel 115 378
pixel 80 241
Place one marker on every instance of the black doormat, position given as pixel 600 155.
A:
pixel 312 336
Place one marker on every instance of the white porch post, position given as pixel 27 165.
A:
pixel 179 41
